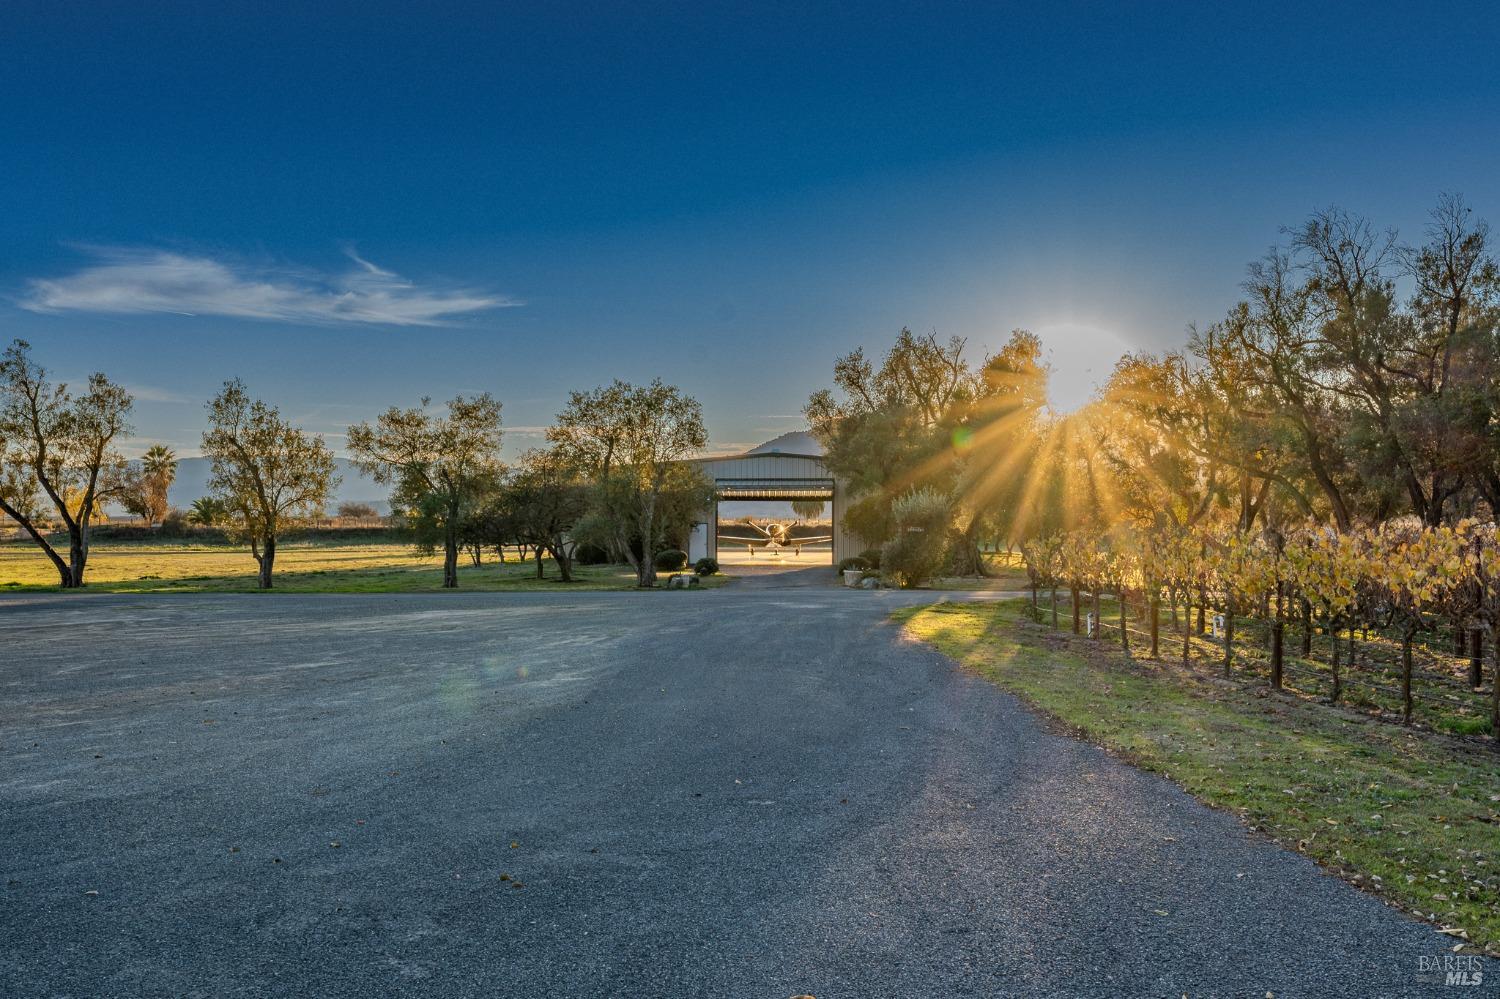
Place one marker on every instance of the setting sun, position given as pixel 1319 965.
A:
pixel 1081 358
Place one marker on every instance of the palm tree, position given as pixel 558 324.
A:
pixel 160 460
pixel 807 509
pixel 147 490
pixel 207 511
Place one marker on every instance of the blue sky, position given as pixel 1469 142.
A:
pixel 357 205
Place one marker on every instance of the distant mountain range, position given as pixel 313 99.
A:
pixel 791 442
pixel 354 487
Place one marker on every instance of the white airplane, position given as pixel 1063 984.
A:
pixel 774 539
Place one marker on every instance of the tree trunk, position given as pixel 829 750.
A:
pixel 1202 625
pixel 1124 631
pixel 967 559
pixel 1495 690
pixel 1054 606
pixel 1228 638
pixel 1406 637
pixel 267 560
pixel 1187 635
pixel 1476 658
pixel 1098 616
pixel 1278 635
pixel 1073 591
pixel 64 571
pixel 541 572
pixel 450 562
pixel 564 563
pixel 1278 628
pixel 450 543
pixel 646 571
pixel 1155 627
pixel 78 556
pixel 623 552
pixel 1307 628
pixel 1338 687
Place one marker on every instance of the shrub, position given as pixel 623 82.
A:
pixel 870 557
pixel 670 560
pixel 911 559
pixel 853 563
pixel 920 545
pixel 706 567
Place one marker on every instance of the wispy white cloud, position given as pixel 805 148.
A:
pixel 123 280
pixel 150 393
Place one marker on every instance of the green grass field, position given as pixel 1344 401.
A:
pixel 1412 817
pixel 300 568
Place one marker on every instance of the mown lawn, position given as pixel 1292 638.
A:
pixel 300 568
pixel 1412 817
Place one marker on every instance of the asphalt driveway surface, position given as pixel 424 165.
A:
pixel 750 792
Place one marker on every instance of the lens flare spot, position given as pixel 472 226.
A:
pixel 963 438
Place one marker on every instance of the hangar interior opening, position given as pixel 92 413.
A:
pixel 771 508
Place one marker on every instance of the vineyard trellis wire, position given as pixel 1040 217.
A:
pixel 1255 659
pixel 1356 601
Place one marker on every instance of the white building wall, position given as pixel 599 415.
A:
pixel 846 544
pixel 698 542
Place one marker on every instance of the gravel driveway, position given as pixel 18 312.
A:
pixel 757 791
